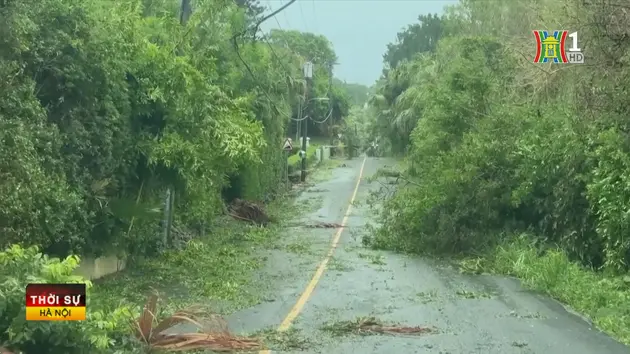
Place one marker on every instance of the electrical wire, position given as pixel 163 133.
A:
pixel 286 44
pixel 255 29
pixel 273 52
pixel 303 17
pixel 325 119
pixel 330 99
pixel 314 14
pixel 284 15
pixel 256 26
pixel 251 73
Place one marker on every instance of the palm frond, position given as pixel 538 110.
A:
pixel 154 333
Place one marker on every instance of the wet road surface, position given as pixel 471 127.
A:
pixel 468 314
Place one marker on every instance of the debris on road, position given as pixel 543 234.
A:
pixel 324 225
pixel 318 225
pixel 372 326
pixel 284 341
pixel 249 211
pixel 151 331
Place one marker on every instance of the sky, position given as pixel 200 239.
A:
pixel 358 29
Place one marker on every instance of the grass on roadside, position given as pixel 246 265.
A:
pixel 215 270
pixel 605 300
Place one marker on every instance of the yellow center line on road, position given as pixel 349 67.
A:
pixel 308 292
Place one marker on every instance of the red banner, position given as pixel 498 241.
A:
pixel 52 302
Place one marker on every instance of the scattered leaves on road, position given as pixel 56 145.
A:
pixel 472 295
pixel 303 247
pixel 426 297
pixel 371 326
pixel 535 315
pixel 376 259
pixel 519 344
pixel 291 339
pixel 339 265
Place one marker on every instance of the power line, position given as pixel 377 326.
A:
pixel 303 17
pixel 273 52
pixel 278 22
pixel 251 73
pixel 288 72
pixel 286 43
pixel 284 14
pixel 253 28
pixel 325 119
pixel 329 95
pixel 314 14
pixel 256 27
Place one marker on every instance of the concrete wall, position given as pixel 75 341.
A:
pixel 325 152
pixel 94 268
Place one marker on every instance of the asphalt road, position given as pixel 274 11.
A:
pixel 467 314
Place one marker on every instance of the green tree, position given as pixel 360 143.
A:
pixel 416 38
pixel 536 148
pixel 358 93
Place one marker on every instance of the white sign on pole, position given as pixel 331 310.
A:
pixel 288 145
pixel 308 70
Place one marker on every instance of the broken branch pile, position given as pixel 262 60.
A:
pixel 249 211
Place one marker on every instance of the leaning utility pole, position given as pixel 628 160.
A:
pixel 308 75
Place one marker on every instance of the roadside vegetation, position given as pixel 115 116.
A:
pixel 523 168
pixel 127 128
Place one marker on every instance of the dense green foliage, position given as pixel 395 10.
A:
pixel 107 105
pixel 497 143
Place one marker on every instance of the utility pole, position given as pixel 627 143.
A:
pixel 185 12
pixel 330 102
pixel 308 75
pixel 298 123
